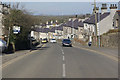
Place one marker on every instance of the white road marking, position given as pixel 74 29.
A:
pixel 63 52
pixel 64 73
pixel 63 58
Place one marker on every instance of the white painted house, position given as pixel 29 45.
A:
pixel 104 20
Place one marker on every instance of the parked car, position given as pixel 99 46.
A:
pixel 66 42
pixel 53 41
pixel 3 45
pixel 44 40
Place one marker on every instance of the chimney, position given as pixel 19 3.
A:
pixel 97 10
pixel 104 8
pixel 113 8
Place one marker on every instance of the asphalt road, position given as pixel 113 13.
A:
pixel 55 61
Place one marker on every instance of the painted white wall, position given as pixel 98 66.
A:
pixel 107 23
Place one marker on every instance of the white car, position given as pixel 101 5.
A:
pixel 3 45
pixel 53 41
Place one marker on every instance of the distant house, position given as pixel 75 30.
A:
pixel 59 31
pixel 67 30
pixel 116 20
pixel 80 29
pixel 50 24
pixel 40 33
pixel 74 27
pixel 51 33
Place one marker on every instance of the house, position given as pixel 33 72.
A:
pixel 51 33
pixel 59 31
pixel 50 24
pixel 4 9
pixel 116 20
pixel 67 30
pixel 75 28
pixel 80 29
pixel 40 33
pixel 104 21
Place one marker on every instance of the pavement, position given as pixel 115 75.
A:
pixel 55 61
pixel 10 56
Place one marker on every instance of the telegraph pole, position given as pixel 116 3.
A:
pixel 95 22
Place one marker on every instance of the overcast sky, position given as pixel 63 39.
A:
pixel 59 8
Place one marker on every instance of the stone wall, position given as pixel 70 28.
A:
pixel 110 40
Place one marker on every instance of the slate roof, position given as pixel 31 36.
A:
pixel 69 24
pixel 52 30
pixel 75 24
pixel 80 24
pixel 44 30
pixel 60 28
pixel 91 20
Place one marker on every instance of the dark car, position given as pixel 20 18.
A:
pixel 66 42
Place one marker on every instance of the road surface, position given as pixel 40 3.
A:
pixel 55 61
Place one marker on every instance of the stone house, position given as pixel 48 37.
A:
pixel 67 30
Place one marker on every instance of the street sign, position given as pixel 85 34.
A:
pixel 16 29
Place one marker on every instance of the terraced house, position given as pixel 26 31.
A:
pixel 104 20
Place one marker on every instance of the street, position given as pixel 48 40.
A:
pixel 55 61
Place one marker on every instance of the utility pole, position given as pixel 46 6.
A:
pixel 95 22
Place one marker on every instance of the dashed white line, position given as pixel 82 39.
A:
pixel 64 73
pixel 63 58
pixel 63 52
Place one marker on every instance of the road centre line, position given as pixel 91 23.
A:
pixel 63 58
pixel 64 73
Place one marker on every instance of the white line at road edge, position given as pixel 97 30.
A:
pixel 64 74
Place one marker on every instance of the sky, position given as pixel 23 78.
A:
pixel 59 8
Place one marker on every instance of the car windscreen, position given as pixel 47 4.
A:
pixel 67 40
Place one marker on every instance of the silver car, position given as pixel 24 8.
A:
pixel 3 45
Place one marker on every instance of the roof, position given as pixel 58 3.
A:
pixel 60 28
pixel 69 24
pixel 91 20
pixel 52 30
pixel 80 24
pixel 75 24
pixel 44 30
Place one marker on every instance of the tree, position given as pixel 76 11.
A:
pixel 20 18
